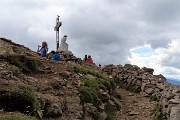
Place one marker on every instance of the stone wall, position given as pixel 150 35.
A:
pixel 154 86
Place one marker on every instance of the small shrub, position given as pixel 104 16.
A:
pixel 88 95
pixel 16 117
pixel 154 98
pixel 15 70
pixel 27 64
pixel 110 111
pixel 131 88
pixel 157 112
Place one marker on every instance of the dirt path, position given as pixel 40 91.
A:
pixel 134 106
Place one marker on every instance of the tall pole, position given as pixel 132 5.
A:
pixel 56 28
pixel 57 34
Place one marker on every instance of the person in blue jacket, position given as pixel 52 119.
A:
pixel 44 49
pixel 55 55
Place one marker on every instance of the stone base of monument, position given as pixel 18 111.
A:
pixel 69 56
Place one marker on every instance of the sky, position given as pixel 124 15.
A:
pixel 138 32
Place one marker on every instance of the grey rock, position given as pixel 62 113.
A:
pixel 102 116
pixel 175 113
pixel 149 91
pixel 174 101
pixel 54 110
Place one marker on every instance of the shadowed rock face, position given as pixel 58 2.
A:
pixel 13 102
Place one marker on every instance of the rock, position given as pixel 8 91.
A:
pixel 102 116
pixel 111 103
pixel 175 113
pixel 104 96
pixel 117 102
pixel 90 108
pixel 131 113
pixel 102 107
pixel 143 86
pixel 174 101
pixel 65 74
pixel 54 110
pixel 149 91
pixel 139 83
pixel 130 94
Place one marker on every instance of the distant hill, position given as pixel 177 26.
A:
pixel 173 81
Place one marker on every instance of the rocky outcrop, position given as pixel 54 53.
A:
pixel 142 80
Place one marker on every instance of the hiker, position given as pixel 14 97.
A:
pixel 43 50
pixel 85 58
pixel 55 55
pixel 89 59
pixel 99 67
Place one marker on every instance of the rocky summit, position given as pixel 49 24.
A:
pixel 35 88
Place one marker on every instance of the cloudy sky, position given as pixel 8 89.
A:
pixel 140 32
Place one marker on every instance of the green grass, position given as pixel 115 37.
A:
pixel 16 117
pixel 157 112
pixel 130 88
pixel 110 111
pixel 27 64
pixel 154 98
pixel 15 70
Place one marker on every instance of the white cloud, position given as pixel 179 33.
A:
pixel 163 60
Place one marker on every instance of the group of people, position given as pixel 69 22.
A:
pixel 44 49
pixel 88 59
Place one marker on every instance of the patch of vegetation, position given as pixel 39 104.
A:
pixel 157 112
pixel 93 81
pixel 27 64
pixel 110 111
pixel 15 70
pixel 131 88
pixel 86 70
pixel 89 90
pixel 154 98
pixel 16 117
pixel 20 99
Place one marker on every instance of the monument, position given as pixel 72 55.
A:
pixel 64 46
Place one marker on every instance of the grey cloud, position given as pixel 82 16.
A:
pixel 159 42
pixel 161 11
pixel 172 60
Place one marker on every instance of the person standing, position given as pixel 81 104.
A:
pixel 85 58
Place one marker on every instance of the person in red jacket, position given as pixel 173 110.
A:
pixel 89 59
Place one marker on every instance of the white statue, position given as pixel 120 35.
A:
pixel 64 45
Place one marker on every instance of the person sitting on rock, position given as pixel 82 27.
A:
pixel 44 49
pixel 55 55
pixel 89 59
